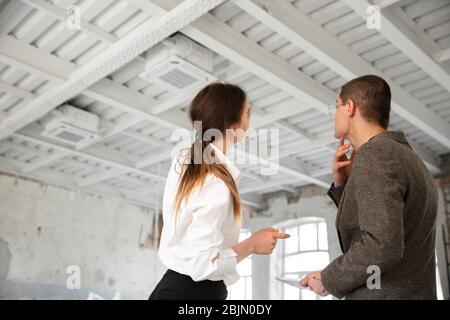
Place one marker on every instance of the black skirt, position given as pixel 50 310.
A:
pixel 177 286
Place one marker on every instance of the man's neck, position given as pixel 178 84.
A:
pixel 359 137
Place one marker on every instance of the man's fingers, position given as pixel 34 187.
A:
pixel 345 146
pixel 323 293
pixel 340 153
pixel 304 282
pixel 281 235
pixel 343 163
pixel 341 141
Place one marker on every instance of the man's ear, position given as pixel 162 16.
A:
pixel 350 108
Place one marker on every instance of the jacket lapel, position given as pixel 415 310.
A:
pixel 339 211
pixel 338 217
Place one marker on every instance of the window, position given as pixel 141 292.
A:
pixel 440 294
pixel 305 251
pixel 242 290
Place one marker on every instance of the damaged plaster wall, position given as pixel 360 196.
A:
pixel 44 230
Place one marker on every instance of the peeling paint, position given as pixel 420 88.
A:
pixel 5 260
pixel 111 282
pixel 41 233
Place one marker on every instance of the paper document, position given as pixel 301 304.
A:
pixel 292 281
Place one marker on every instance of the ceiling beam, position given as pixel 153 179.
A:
pixel 61 15
pixel 93 179
pixel 269 121
pixel 95 157
pixel 42 162
pixel 91 156
pixel 406 41
pixel 119 54
pixel 30 59
pixel 11 11
pixel 221 38
pixel 384 3
pixel 258 187
pixel 120 97
pixel 442 55
pixel 432 164
pixel 106 91
pixel 61 181
pixel 17 92
pixel 304 33
pixel 151 7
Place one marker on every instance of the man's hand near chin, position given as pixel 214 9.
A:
pixel 313 280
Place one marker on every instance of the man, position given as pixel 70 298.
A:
pixel 387 205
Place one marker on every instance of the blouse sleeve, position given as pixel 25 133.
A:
pixel 203 252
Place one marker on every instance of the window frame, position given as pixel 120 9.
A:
pixel 246 277
pixel 296 224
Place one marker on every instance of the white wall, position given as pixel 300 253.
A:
pixel 103 237
pixel 45 229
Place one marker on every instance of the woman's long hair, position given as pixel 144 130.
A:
pixel 218 106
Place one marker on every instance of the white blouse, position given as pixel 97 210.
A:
pixel 200 246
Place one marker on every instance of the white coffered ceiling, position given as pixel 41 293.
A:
pixel 290 56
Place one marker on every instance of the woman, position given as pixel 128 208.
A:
pixel 201 204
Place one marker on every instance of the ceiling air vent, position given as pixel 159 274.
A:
pixel 179 64
pixel 71 125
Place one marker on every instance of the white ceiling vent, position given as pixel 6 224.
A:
pixel 179 64
pixel 71 125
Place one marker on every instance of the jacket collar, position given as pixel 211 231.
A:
pixel 394 135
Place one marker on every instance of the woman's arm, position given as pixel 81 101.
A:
pixel 243 250
pixel 202 249
pixel 261 242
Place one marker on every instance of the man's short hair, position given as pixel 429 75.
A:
pixel 372 95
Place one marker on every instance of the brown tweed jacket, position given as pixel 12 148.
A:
pixel 386 218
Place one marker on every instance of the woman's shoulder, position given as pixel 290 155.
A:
pixel 213 192
pixel 212 188
pixel 217 184
pixel 211 181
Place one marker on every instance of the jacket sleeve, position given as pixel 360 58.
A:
pixel 335 193
pixel 379 200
